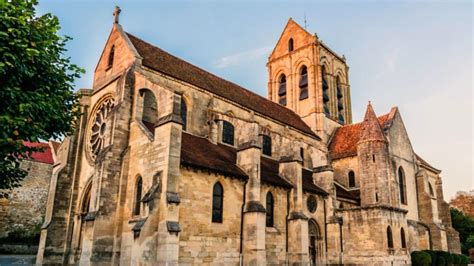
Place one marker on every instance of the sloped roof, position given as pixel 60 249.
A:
pixel 269 173
pixel 200 153
pixel 161 61
pixel 44 156
pixel 371 129
pixel 342 192
pixel 308 184
pixel 426 164
pixel 344 142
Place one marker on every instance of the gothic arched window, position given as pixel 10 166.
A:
pixel 389 237
pixel 340 100
pixel 149 115
pixel 138 196
pixel 352 182
pixel 402 185
pixel 402 237
pixel 290 45
pixel 325 90
pixel 227 133
pixel 184 113
pixel 110 59
pixel 303 83
pixel 267 145
pixel 217 202
pixel 269 207
pixel 282 90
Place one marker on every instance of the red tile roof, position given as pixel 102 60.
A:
pixel 159 60
pixel 371 131
pixel 44 156
pixel 344 142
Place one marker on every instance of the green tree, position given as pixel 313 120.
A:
pixel 465 226
pixel 36 85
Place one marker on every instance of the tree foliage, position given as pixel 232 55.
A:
pixel 36 85
pixel 465 226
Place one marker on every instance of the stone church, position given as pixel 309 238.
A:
pixel 171 164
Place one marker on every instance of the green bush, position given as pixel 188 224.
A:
pixel 447 258
pixel 420 258
pixel 464 259
pixel 456 259
pixel 433 255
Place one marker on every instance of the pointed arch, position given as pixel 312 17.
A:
pixel 402 185
pixel 351 177
pixel 184 113
pixel 86 198
pixel 110 58
pixel 389 237
pixel 340 99
pixel 228 132
pixel 290 45
pixel 148 109
pixel 269 207
pixel 402 238
pixel 325 89
pixel 303 82
pixel 217 202
pixel 282 89
pixel 138 196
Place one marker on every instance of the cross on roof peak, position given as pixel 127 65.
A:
pixel 117 11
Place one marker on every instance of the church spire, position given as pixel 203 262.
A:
pixel 371 127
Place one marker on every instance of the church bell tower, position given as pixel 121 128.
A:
pixel 306 76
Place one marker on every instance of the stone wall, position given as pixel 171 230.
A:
pixel 23 208
pixel 201 240
pixel 368 225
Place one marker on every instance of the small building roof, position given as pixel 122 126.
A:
pixel 426 164
pixel 342 192
pixel 44 156
pixel 198 152
pixel 344 141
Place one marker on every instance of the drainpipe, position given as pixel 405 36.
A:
pixel 287 215
pixel 242 223
pixel 325 228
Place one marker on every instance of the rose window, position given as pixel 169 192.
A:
pixel 99 127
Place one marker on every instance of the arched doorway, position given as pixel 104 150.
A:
pixel 315 249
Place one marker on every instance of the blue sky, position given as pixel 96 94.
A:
pixel 416 55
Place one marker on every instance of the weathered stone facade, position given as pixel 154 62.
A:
pixel 172 164
pixel 22 208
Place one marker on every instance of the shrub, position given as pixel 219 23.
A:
pixel 447 258
pixel 464 259
pixel 420 258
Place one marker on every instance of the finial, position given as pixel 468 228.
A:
pixel 117 11
pixel 344 58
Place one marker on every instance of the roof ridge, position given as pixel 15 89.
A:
pixel 247 91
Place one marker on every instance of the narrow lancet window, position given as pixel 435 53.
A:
pixel 303 83
pixel 217 202
pixel 269 207
pixel 282 90
pixel 227 133
pixel 138 196
pixel 267 145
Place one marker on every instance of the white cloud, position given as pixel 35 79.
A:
pixel 246 56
